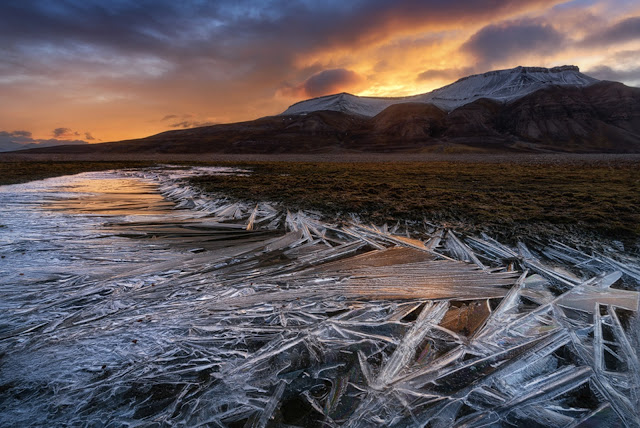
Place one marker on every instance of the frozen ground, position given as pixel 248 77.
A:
pixel 128 299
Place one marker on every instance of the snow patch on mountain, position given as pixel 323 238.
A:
pixel 501 85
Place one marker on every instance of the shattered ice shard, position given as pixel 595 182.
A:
pixel 285 318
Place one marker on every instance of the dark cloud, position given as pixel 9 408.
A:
pixel 19 140
pixel 328 82
pixel 184 116
pixel 26 134
pixel 445 73
pixel 64 133
pixel 60 131
pixel 186 120
pixel 149 24
pixel 191 124
pixel 500 42
pixel 603 72
pixel 192 36
pixel 623 31
pixel 88 136
pixel 14 139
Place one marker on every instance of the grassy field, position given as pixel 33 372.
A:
pixel 509 199
pixel 505 199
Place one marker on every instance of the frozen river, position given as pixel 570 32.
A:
pixel 128 298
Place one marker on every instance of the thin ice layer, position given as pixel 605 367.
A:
pixel 200 310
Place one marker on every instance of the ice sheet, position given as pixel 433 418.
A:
pixel 129 298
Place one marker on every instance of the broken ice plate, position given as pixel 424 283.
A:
pixel 202 310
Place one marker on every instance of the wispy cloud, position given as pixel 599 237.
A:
pixel 449 74
pixel 620 32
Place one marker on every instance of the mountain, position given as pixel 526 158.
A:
pixel 500 85
pixel 524 109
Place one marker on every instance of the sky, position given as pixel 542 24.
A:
pixel 89 71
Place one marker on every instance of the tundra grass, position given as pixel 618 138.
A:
pixel 509 201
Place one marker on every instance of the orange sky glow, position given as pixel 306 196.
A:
pixel 103 71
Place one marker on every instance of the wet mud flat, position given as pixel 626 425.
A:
pixel 131 298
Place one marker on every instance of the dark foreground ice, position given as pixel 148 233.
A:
pixel 129 299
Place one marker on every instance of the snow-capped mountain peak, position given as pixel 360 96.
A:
pixel 500 85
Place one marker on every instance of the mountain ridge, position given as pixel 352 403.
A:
pixel 586 116
pixel 503 85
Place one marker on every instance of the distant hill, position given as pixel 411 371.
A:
pixel 525 109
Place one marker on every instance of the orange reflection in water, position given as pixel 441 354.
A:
pixel 115 196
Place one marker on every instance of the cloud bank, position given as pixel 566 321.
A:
pixel 21 140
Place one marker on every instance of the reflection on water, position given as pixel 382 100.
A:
pixel 112 196
pixel 128 298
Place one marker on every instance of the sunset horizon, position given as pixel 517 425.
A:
pixel 93 72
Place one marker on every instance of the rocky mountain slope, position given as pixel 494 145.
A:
pixel 499 85
pixel 523 110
